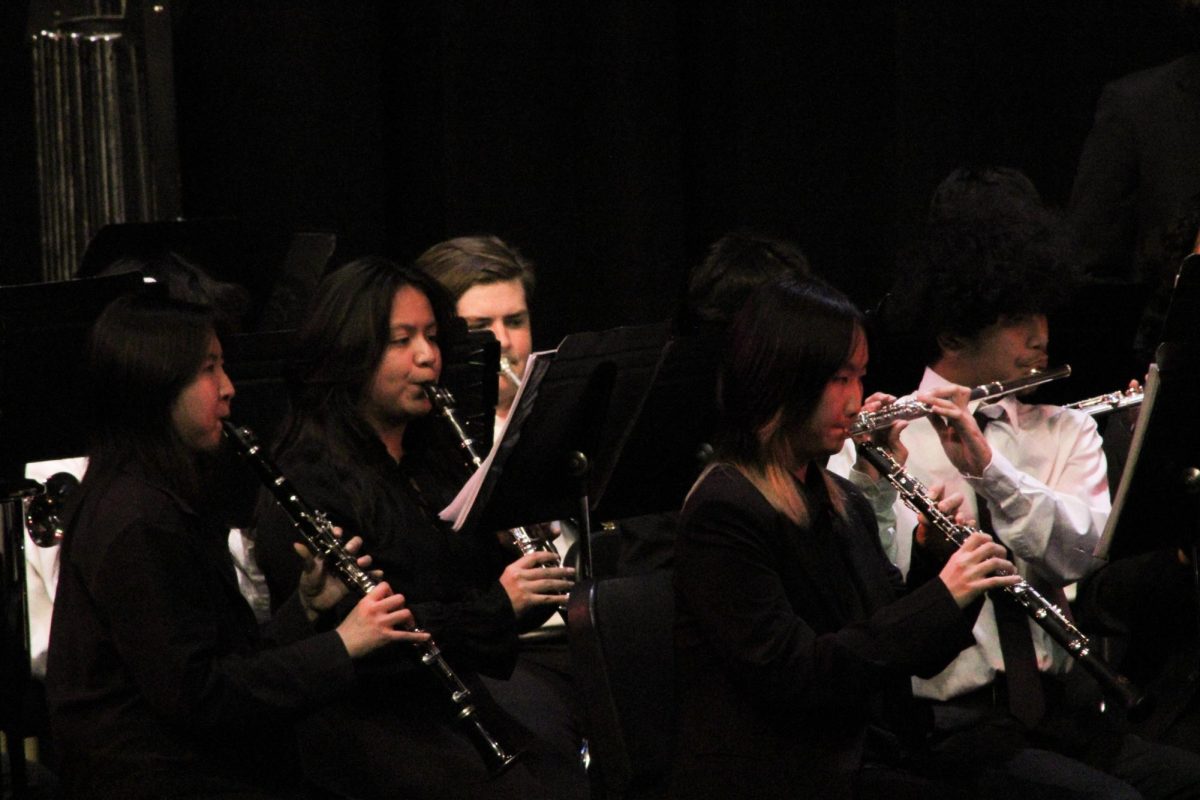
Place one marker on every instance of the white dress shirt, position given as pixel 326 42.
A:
pixel 41 569
pixel 1047 491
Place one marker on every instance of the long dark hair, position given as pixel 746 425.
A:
pixel 142 352
pixel 789 338
pixel 339 347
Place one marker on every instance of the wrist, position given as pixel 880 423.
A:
pixel 310 612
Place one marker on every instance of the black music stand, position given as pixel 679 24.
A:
pixel 470 364
pixel 563 437
pixel 668 445
pixel 43 328
pixel 278 267
pixel 1157 502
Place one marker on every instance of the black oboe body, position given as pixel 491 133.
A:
pixel 1044 614
pixel 317 531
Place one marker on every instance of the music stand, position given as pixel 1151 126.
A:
pixel 671 436
pixel 1157 502
pixel 43 328
pixel 563 435
pixel 278 267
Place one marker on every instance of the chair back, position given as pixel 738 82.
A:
pixel 621 633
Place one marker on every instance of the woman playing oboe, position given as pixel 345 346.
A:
pixel 795 639
pixel 160 682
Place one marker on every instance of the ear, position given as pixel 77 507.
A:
pixel 950 342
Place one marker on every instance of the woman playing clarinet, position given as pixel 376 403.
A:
pixel 160 682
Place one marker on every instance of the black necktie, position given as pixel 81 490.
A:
pixel 1026 700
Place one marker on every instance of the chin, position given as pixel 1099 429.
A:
pixel 418 410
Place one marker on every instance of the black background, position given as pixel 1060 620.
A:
pixel 611 142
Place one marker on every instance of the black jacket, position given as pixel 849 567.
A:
pixel 792 643
pixel 160 681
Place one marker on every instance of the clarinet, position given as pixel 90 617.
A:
pixel 1044 613
pixel 444 406
pixel 317 531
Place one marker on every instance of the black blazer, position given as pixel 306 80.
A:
pixel 781 670
pixel 160 681
pixel 1138 164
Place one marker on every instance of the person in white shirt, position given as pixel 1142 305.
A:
pixel 976 293
pixel 41 569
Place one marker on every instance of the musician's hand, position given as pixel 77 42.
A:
pixel 529 584
pixel 321 590
pixel 971 569
pixel 378 619
pixel 957 430
pixel 887 437
pixel 937 544
pixel 1129 414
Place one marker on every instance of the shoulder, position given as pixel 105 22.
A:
pixel 1149 85
pixel 723 492
pixel 720 483
pixel 124 508
pixel 1055 420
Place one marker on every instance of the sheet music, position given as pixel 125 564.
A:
pixel 1135 449
pixel 460 507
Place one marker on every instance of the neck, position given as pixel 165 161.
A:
pixel 393 439
pixel 955 371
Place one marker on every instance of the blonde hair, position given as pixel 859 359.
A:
pixel 777 484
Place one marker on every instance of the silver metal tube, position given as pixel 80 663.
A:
pixel 986 392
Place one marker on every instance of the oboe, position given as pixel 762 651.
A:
pixel 914 409
pixel 317 531
pixel 444 406
pixel 1044 613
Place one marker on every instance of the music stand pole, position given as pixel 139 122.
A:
pixel 577 465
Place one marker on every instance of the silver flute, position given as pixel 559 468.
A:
pixel 869 422
pixel 1044 614
pixel 1113 401
pixel 317 531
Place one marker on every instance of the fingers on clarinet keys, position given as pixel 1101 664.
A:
pixel 529 582
pixel 379 618
pixel 976 567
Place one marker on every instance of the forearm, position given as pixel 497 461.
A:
pixel 1054 529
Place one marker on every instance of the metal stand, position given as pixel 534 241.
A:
pixel 578 467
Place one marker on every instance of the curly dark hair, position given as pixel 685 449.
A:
pixel 970 270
